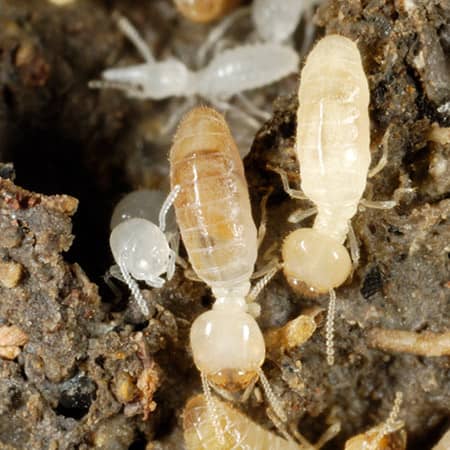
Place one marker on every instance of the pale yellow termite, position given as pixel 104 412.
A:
pixel 239 432
pixel 205 10
pixel 332 144
pixel 214 216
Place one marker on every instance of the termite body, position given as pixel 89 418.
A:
pixel 239 431
pixel 334 155
pixel 214 216
pixel 141 248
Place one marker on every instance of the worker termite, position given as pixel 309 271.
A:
pixel 140 248
pixel 332 145
pixel 205 10
pixel 227 74
pixel 214 216
pixel 239 432
pixel 387 436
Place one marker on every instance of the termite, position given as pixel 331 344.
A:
pixel 229 73
pixel 332 145
pixel 204 11
pixel 140 248
pixel 240 433
pixel 213 213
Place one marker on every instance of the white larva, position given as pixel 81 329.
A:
pixel 229 73
pixel 140 248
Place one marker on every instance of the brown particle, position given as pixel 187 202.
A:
pixel 10 274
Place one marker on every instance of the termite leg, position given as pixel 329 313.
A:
pixel 261 284
pixel 212 411
pixel 379 166
pixel 217 32
pixel 252 109
pixel 330 328
pixel 271 397
pixel 383 204
pixel 168 202
pixel 134 288
pixel 113 272
pixel 354 247
pixel 301 214
pixel 191 275
pixel 331 432
pixel 263 223
pixel 281 427
pixel 175 118
pixel 128 29
pixel 248 391
pixel 228 107
pixel 294 193
pixel 129 89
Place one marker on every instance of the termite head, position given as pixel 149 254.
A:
pixel 228 346
pixel 205 10
pixel 141 247
pixel 154 80
pixel 314 263
pixel 371 440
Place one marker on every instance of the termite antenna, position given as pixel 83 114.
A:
pixel 168 202
pixel 271 397
pixel 391 424
pixel 134 288
pixel 128 29
pixel 212 411
pixel 261 284
pixel 330 328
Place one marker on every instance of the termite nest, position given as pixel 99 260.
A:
pixel 82 364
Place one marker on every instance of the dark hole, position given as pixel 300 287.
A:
pixel 76 397
pixel 373 282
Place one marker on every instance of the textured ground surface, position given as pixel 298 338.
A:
pixel 88 366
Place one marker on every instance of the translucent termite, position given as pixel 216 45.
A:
pixel 390 435
pixel 239 432
pixel 205 10
pixel 228 73
pixel 332 145
pixel 140 248
pixel 214 216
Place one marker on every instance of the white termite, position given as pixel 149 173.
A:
pixel 214 215
pixel 332 144
pixel 228 73
pixel 140 248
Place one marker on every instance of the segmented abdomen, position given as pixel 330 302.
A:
pixel 213 208
pixel 239 432
pixel 333 129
